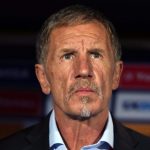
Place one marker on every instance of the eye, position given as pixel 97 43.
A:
pixel 95 54
pixel 68 56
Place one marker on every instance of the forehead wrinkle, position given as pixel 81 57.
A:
pixel 61 34
pixel 71 40
pixel 82 43
pixel 64 37
pixel 72 45
pixel 67 39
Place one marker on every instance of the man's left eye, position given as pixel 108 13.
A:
pixel 95 55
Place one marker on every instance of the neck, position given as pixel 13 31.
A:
pixel 78 133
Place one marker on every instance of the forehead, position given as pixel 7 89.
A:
pixel 92 31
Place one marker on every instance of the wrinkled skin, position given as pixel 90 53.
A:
pixel 80 71
pixel 76 55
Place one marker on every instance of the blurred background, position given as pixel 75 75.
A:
pixel 21 101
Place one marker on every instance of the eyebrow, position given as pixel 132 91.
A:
pixel 72 50
pixel 96 50
pixel 68 50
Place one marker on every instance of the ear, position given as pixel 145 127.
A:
pixel 41 76
pixel 117 74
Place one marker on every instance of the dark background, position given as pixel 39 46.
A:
pixel 21 100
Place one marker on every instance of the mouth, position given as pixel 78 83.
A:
pixel 84 91
pixel 84 87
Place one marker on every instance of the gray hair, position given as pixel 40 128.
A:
pixel 69 16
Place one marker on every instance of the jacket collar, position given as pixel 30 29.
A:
pixel 123 137
pixel 38 138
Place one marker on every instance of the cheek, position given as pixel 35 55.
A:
pixel 55 80
pixel 58 81
pixel 99 74
pixel 104 77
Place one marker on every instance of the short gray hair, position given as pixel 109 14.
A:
pixel 69 16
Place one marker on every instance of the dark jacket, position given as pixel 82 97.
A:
pixel 37 138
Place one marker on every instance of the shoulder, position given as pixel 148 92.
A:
pixel 143 140
pixel 21 139
pixel 16 140
pixel 126 136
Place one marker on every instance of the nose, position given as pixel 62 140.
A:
pixel 83 68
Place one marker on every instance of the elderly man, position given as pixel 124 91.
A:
pixel 78 55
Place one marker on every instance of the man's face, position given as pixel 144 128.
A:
pixel 80 70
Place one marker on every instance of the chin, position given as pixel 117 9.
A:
pixel 84 114
pixel 79 117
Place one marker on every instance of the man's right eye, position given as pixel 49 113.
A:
pixel 68 56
